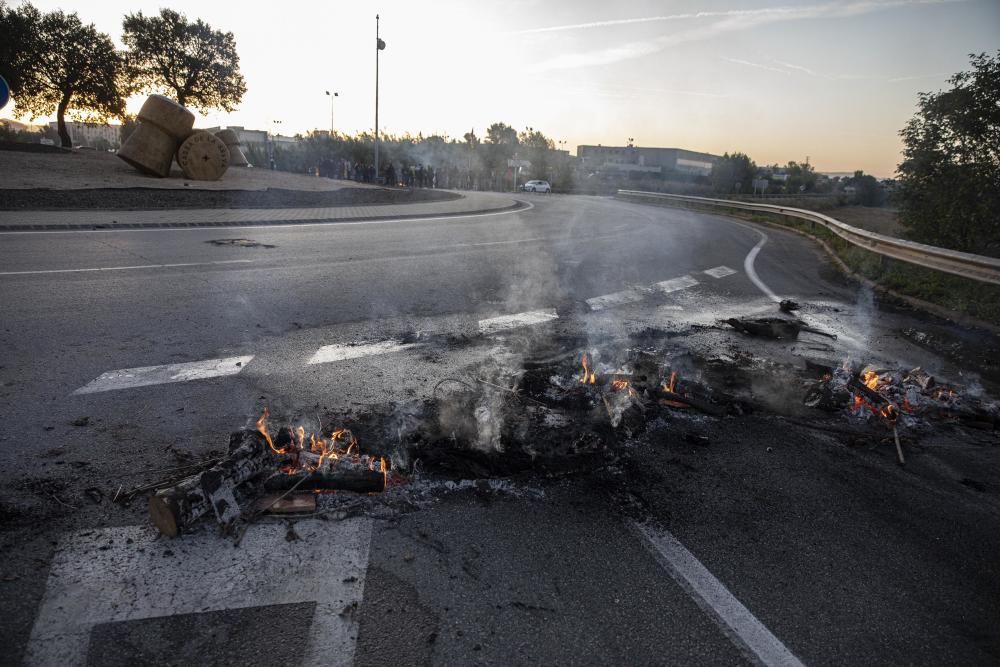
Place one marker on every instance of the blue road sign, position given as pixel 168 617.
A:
pixel 4 93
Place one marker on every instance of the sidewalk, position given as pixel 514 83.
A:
pixel 470 203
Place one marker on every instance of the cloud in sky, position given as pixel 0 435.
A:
pixel 792 68
pixel 747 63
pixel 722 22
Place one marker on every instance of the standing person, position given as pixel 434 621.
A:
pixel 390 175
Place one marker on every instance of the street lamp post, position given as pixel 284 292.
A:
pixel 331 96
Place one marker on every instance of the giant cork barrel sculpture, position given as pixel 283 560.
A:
pixel 162 126
pixel 232 142
pixel 203 156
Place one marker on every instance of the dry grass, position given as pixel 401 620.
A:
pixel 878 220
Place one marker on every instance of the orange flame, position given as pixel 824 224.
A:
pixel 619 384
pixel 871 380
pixel 589 376
pixel 671 387
pixel 262 429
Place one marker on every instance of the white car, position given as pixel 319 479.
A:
pixel 537 186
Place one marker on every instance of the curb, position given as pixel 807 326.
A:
pixel 517 206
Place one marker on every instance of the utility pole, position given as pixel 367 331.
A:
pixel 379 45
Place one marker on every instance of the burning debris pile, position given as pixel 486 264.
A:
pixel 908 398
pixel 546 412
pixel 257 463
pixel 555 416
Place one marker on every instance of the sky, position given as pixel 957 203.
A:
pixel 780 80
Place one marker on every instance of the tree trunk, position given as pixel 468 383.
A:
pixel 64 138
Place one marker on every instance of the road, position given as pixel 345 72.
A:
pixel 766 545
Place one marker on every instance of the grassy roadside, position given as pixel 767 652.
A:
pixel 960 296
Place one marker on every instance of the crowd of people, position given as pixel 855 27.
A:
pixel 406 175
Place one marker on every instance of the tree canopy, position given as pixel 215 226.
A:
pixel 190 61
pixel 19 28
pixel 951 162
pixel 73 68
pixel 733 173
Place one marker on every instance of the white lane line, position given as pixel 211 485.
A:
pixel 329 353
pixel 675 284
pixel 458 215
pixel 516 320
pixel 752 273
pixel 125 268
pixel 736 621
pixel 143 376
pixel 616 299
pixel 125 574
pixel 720 271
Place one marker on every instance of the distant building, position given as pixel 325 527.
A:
pixel 246 136
pixel 647 160
pixel 97 135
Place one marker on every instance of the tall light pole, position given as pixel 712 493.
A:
pixel 379 45
pixel 331 96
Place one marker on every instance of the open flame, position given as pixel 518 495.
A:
pixel 871 380
pixel 304 448
pixel 589 376
pixel 262 429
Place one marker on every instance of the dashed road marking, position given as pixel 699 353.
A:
pixel 128 378
pixel 329 353
pixel 735 620
pixel 517 320
pixel 676 284
pixel 616 299
pixel 125 574
pixel 719 272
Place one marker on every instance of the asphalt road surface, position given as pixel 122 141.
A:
pixel 750 543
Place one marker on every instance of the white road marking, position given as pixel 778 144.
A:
pixel 736 621
pixel 616 299
pixel 720 272
pixel 671 307
pixel 516 320
pixel 293 225
pixel 124 574
pixel 128 378
pixel 752 273
pixel 329 353
pixel 675 284
pixel 125 268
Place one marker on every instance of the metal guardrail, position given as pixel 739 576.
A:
pixel 964 264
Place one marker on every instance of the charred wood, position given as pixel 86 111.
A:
pixel 175 508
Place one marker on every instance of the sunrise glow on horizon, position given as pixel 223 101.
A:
pixel 831 81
